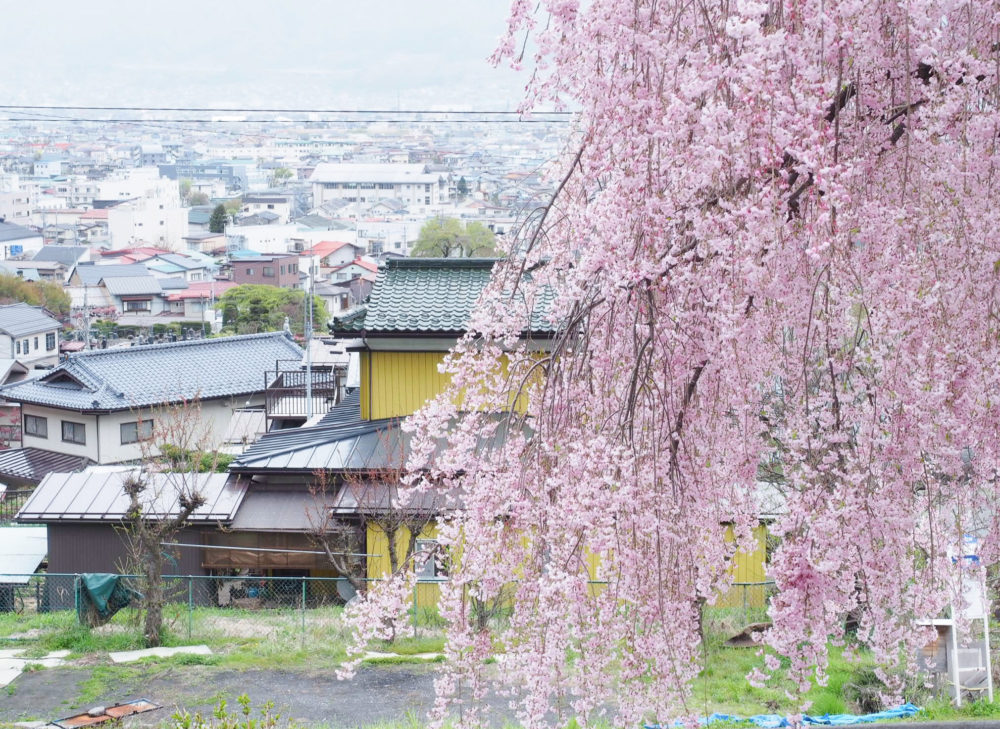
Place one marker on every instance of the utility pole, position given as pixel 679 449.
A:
pixel 86 320
pixel 308 333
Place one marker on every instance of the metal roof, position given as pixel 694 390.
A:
pixel 20 319
pixel 31 465
pixel 173 283
pixel 376 498
pixel 67 255
pixel 22 549
pixel 100 496
pixel 431 296
pixel 340 441
pixel 279 511
pixel 91 273
pixel 123 378
pixel 13 231
pixel 132 285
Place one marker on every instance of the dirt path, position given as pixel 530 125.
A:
pixel 376 694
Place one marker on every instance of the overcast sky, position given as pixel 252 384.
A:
pixel 301 53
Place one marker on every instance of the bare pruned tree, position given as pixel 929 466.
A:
pixel 346 505
pixel 164 491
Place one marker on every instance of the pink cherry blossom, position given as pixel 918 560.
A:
pixel 774 241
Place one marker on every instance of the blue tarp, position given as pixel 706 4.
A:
pixel 775 721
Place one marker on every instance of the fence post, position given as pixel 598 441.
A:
pixel 190 604
pixel 415 608
pixel 303 610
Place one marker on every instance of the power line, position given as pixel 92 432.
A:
pixel 279 110
pixel 284 121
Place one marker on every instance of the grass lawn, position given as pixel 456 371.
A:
pixel 248 639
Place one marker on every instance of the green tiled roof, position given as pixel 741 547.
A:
pixel 423 296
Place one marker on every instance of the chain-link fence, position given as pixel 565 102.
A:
pixel 198 605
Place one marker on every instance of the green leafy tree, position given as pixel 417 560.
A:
pixel 253 308
pixel 217 223
pixel 463 187
pixel 52 296
pixel 233 206
pixel 198 198
pixel 184 188
pixel 448 238
pixel 280 175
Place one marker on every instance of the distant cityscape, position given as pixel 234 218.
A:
pixel 121 213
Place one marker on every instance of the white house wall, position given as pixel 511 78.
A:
pixel 103 431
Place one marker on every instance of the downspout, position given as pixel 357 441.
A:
pixel 365 340
pixel 97 418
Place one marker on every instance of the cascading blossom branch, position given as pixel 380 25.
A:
pixel 775 243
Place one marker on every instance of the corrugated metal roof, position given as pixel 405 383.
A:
pixel 132 285
pixel 22 549
pixel 33 464
pixel 20 319
pixel 100 496
pixel 127 377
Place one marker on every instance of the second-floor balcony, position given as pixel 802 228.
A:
pixel 288 392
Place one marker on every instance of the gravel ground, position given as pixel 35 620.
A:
pixel 376 694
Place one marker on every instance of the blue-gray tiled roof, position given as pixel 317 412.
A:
pixel 128 377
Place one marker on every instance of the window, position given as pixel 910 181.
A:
pixel 36 344
pixel 268 271
pixel 74 432
pixel 270 206
pixel 50 341
pixel 282 270
pixel 249 272
pixel 36 426
pixel 140 305
pixel 17 346
pixel 135 431
pixel 424 559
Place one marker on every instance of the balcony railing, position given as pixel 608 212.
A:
pixel 286 393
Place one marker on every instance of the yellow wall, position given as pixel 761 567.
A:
pixel 397 384
pixel 747 567
pixel 427 593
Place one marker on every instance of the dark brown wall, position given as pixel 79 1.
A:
pixel 77 548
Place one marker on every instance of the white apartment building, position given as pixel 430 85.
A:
pixel 151 213
pixel 412 184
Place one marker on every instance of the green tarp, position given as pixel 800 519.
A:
pixel 100 596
